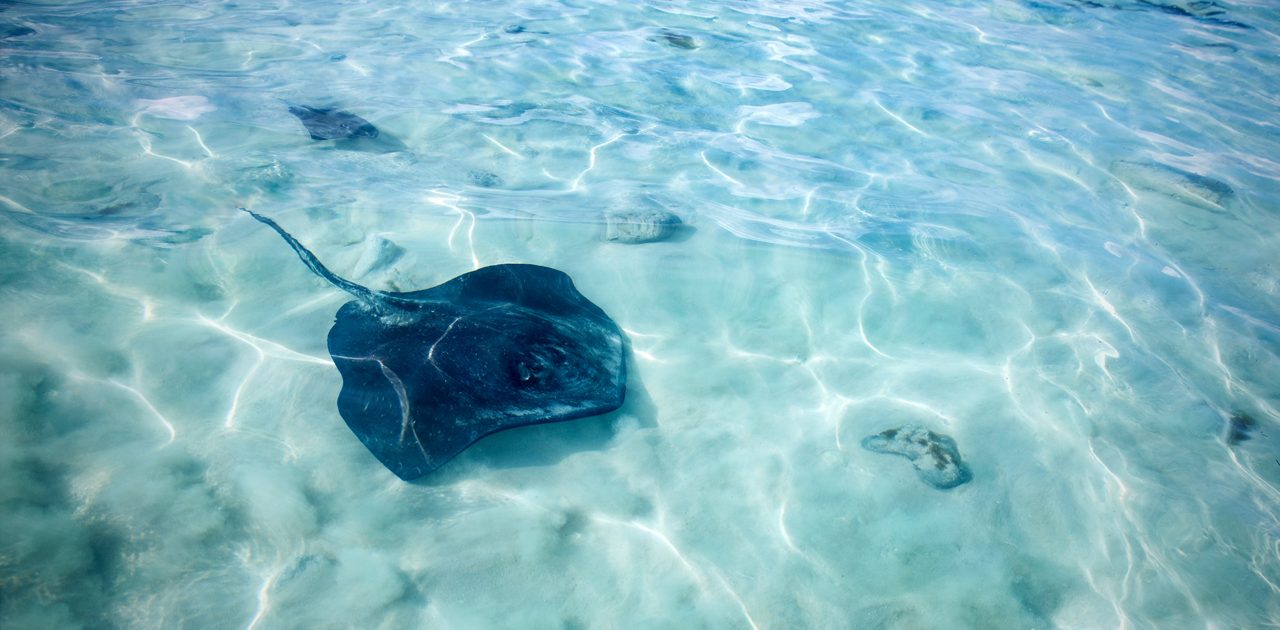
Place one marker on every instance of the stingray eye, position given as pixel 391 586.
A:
pixel 537 364
pixel 523 372
pixel 528 370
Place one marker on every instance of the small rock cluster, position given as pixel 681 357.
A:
pixel 935 457
pixel 641 226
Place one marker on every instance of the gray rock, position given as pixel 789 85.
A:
pixel 484 179
pixel 935 457
pixel 641 226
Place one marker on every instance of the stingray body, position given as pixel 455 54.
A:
pixel 427 373
pixel 347 130
pixel 327 123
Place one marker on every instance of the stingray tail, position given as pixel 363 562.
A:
pixel 364 294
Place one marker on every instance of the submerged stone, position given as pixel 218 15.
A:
pixel 935 457
pixel 641 226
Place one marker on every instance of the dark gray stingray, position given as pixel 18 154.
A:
pixel 327 123
pixel 349 130
pixel 1203 11
pixel 425 374
pixel 1240 427
pixel 675 40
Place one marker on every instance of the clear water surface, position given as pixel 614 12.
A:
pixel 1046 229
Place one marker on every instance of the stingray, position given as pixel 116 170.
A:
pixel 348 130
pixel 425 374
pixel 327 123
pixel 675 40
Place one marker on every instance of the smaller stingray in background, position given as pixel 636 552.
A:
pixel 1240 427
pixel 425 374
pixel 1184 186
pixel 10 31
pixel 1203 11
pixel 327 123
pixel 517 29
pixel 675 40
pixel 484 179
pixel 348 130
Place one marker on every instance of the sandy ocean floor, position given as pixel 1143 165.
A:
pixel 1045 230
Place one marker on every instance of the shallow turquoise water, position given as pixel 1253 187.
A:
pixel 1048 230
